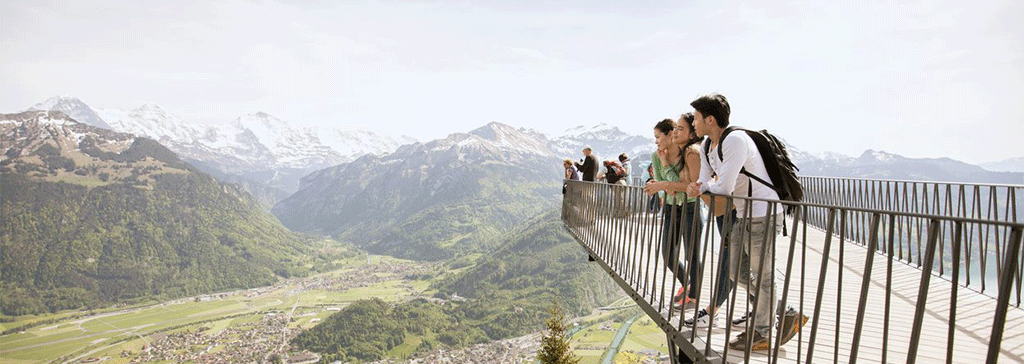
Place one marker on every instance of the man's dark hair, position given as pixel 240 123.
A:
pixel 666 126
pixel 713 105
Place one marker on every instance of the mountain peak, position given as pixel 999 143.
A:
pixel 150 106
pixel 600 131
pixel 53 102
pixel 493 130
pixel 880 156
pixel 74 108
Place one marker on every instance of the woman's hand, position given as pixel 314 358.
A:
pixel 652 187
pixel 693 190
pixel 663 156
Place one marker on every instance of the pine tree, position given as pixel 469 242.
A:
pixel 555 347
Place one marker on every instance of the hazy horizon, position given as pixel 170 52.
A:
pixel 922 80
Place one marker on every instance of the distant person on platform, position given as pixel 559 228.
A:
pixel 589 166
pixel 571 173
pixel 722 176
pixel 624 163
pixel 614 175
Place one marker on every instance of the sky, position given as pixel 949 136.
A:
pixel 916 78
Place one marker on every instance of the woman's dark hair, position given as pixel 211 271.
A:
pixel 688 120
pixel 666 126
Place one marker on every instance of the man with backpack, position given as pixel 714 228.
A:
pixel 624 163
pixel 615 175
pixel 736 164
pixel 613 172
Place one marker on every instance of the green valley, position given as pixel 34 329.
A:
pixel 284 309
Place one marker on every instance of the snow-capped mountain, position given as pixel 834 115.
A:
pixel 74 108
pixel 269 141
pixel 257 147
pixel 604 139
pixel 151 121
pixel 1006 165
pixel 351 143
pixel 495 175
pixel 607 142
pixel 883 165
pixel 125 217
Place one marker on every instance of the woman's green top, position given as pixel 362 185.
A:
pixel 670 173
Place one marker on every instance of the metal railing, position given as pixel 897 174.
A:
pixel 983 248
pixel 616 226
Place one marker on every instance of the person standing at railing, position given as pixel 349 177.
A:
pixel 685 134
pixel 571 173
pixel 624 163
pixel 676 165
pixel 589 166
pixel 722 176
pixel 615 175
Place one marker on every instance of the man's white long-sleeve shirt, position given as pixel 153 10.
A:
pixel 738 152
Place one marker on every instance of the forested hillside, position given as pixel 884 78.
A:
pixel 431 201
pixel 507 293
pixel 92 217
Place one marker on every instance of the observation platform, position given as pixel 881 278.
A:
pixel 940 288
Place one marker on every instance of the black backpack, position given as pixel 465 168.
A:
pixel 780 168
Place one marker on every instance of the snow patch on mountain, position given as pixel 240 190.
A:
pixel 352 142
pixel 255 143
pixel 150 121
pixel 873 156
pixel 74 108
pixel 1006 165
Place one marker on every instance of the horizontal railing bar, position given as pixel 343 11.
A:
pixel 923 182
pixel 1010 224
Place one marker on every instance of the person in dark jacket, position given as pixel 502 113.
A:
pixel 589 166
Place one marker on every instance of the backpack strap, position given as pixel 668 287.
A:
pixel 707 149
pixel 743 171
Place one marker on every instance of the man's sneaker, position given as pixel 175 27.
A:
pixel 742 321
pixel 791 325
pixel 703 319
pixel 758 342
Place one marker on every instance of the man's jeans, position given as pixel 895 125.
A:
pixel 747 244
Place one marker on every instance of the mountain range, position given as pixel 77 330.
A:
pixel 1006 165
pixel 265 154
pixel 874 164
pixel 93 217
pixel 431 200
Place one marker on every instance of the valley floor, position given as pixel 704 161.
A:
pixel 256 325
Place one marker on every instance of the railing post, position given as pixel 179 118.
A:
pixel 865 284
pixel 922 294
pixel 1005 286
pixel 821 283
pixel 957 238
